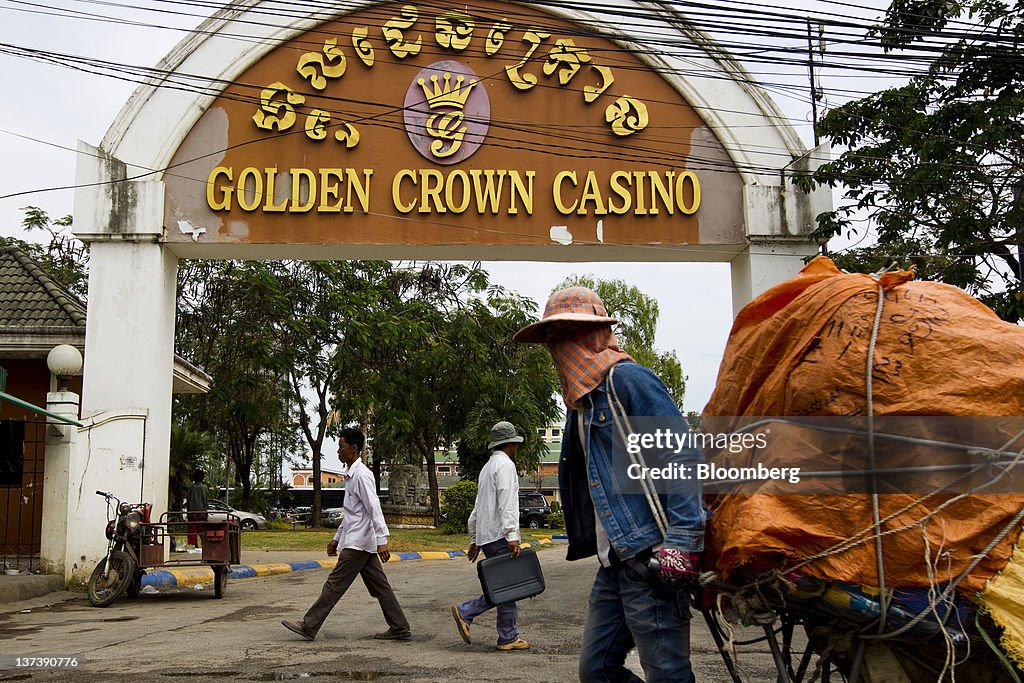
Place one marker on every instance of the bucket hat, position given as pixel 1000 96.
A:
pixel 575 304
pixel 503 433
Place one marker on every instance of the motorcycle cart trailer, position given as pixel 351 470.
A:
pixel 137 544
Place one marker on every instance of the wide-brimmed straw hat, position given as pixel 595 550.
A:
pixel 503 433
pixel 575 304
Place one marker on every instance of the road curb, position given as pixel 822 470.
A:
pixel 195 576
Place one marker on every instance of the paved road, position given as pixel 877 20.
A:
pixel 187 635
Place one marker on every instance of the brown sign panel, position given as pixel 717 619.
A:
pixel 406 124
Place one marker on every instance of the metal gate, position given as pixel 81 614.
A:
pixel 22 452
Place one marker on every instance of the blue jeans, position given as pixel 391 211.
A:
pixel 625 611
pixel 508 630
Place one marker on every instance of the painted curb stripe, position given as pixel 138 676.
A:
pixel 241 571
pixel 308 564
pixel 190 576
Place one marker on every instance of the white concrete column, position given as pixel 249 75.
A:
pixel 765 263
pixel 126 394
pixel 60 443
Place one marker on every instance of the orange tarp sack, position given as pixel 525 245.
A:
pixel 800 349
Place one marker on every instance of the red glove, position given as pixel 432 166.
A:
pixel 676 566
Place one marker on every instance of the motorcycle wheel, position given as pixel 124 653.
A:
pixel 104 591
pixel 220 581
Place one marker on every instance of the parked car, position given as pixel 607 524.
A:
pixel 331 517
pixel 533 509
pixel 249 520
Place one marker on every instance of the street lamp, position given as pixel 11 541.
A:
pixel 64 361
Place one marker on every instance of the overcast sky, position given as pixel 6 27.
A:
pixel 47 108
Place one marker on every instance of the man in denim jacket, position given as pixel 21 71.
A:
pixel 639 595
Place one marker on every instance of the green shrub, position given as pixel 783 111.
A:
pixel 556 520
pixel 456 505
pixel 556 506
pixel 279 524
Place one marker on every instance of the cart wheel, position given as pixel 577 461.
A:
pixel 220 581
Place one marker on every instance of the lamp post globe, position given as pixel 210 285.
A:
pixel 64 361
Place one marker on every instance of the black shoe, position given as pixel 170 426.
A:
pixel 296 627
pixel 392 634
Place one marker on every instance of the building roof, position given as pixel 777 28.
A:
pixel 31 300
pixel 38 313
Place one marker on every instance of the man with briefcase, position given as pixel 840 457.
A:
pixel 494 529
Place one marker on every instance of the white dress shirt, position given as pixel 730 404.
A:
pixel 496 512
pixel 363 527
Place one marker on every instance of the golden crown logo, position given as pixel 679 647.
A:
pixel 445 95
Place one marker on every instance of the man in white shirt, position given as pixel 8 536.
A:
pixel 494 529
pixel 363 538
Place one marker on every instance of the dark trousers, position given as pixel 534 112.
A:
pixel 350 564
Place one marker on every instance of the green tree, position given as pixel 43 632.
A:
pixel 937 164
pixel 457 505
pixel 190 450
pixel 638 316
pixel 227 324
pixel 323 303
pixel 63 256
pixel 518 386
pixel 433 360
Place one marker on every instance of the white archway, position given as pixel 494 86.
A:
pixel 121 211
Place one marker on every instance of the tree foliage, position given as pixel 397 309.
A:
pixel 62 255
pixel 458 504
pixel 437 365
pixel 638 316
pixel 226 324
pixel 190 450
pixel 937 164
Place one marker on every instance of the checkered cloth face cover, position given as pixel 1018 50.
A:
pixel 582 358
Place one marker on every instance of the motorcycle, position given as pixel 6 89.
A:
pixel 119 571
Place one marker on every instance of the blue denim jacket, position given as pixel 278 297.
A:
pixel 587 482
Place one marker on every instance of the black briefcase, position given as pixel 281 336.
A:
pixel 506 580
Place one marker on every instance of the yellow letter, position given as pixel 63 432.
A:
pixel 525 192
pixel 362 189
pixel 396 187
pixel 244 201
pixel 298 205
pixel 488 195
pixel 660 189
pixel 269 205
pixel 638 190
pixel 557 187
pixel 222 203
pixel 329 190
pixel 592 193
pixel 432 182
pixel 449 193
pixel 688 209
pixel 621 189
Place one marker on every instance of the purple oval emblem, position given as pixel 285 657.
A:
pixel 447 112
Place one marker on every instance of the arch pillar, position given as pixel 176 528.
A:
pixel 779 220
pixel 129 348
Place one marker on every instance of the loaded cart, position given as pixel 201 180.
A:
pixel 220 545
pixel 135 545
pixel 898 551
